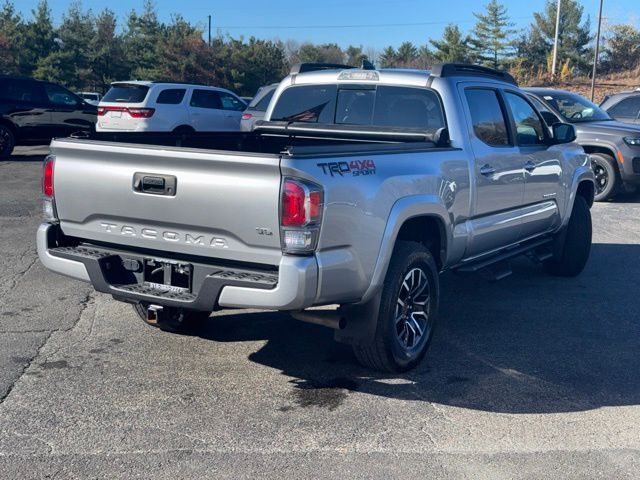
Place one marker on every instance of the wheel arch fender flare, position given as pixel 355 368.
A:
pixel 581 176
pixel 403 210
pixel 9 124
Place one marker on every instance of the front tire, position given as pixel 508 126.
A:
pixel 607 177
pixel 174 320
pixel 570 257
pixel 7 142
pixel 407 314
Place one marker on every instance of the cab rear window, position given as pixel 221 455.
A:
pixel 126 93
pixel 383 105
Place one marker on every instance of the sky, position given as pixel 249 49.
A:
pixel 370 23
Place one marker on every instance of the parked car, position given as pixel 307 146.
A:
pixel 34 111
pixel 139 106
pixel 364 186
pixel 257 108
pixel 614 146
pixel 90 97
pixel 624 106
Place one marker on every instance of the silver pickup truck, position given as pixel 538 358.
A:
pixel 342 207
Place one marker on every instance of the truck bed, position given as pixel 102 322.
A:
pixel 280 137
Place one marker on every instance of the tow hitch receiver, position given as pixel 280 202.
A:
pixel 153 314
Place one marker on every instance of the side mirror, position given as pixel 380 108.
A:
pixel 563 133
pixel 549 118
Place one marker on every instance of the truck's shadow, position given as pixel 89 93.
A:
pixel 528 344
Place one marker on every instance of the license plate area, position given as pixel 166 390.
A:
pixel 168 276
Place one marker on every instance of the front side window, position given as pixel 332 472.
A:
pixel 486 115
pixel 547 115
pixel 529 129
pixel 628 108
pixel 205 99
pixel 60 96
pixel 230 102
pixel 171 96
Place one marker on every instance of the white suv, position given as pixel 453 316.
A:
pixel 138 106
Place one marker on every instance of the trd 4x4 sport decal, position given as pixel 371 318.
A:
pixel 354 167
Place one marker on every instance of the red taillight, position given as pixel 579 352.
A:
pixel 134 112
pixel 301 203
pixel 141 112
pixel 301 213
pixel 293 200
pixel 246 116
pixel 315 205
pixel 47 177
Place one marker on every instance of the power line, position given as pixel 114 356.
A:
pixel 363 25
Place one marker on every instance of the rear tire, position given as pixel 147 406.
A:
pixel 571 257
pixel 7 142
pixel 607 177
pixel 175 320
pixel 407 314
pixel 183 130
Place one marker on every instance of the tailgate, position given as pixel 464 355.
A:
pixel 224 204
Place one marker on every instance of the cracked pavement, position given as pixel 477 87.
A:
pixel 530 377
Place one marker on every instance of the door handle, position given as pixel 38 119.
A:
pixel 487 170
pixel 529 166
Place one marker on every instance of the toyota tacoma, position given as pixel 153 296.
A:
pixel 342 207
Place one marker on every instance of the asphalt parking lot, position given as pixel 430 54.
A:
pixel 530 377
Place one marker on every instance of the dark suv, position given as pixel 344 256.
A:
pixel 623 106
pixel 614 146
pixel 33 112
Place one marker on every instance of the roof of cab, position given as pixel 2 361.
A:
pixel 331 73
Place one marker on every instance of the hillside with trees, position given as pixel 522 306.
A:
pixel 88 50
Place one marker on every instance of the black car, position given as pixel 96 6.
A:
pixel 33 112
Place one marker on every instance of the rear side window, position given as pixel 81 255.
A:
pixel 20 90
pixel 230 102
pixel 171 96
pixel 205 99
pixel 529 129
pixel 126 93
pixel 313 104
pixel 487 117
pixel 629 107
pixel 260 104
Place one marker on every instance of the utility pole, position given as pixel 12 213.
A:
pixel 595 58
pixel 555 43
pixel 209 30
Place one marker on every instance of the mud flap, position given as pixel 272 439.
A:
pixel 362 320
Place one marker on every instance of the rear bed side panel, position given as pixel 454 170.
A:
pixel 359 202
pixel 221 199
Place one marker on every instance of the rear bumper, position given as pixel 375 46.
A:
pixel 292 287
